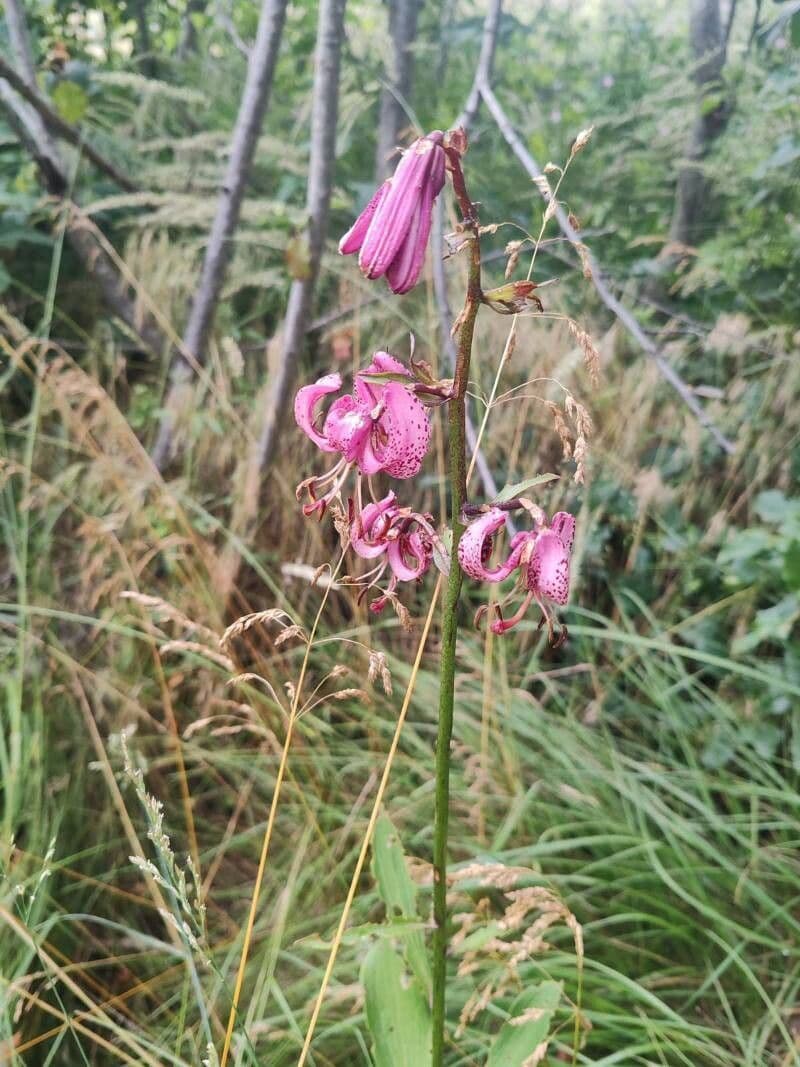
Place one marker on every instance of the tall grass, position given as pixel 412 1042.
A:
pixel 585 766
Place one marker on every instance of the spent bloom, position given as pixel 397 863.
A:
pixel 542 557
pixel 391 233
pixel 381 426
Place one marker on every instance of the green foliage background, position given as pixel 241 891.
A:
pixel 646 774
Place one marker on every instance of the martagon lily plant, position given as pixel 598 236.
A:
pixel 383 427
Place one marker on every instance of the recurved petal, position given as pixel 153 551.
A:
pixel 502 625
pixel 564 525
pixel 408 557
pixel 548 570
pixel 347 427
pixel 368 530
pixel 400 436
pixel 394 214
pixel 354 238
pixel 305 403
pixel 475 548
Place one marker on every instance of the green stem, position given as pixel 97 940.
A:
pixel 457 464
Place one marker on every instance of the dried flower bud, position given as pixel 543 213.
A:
pixel 513 298
pixel 456 140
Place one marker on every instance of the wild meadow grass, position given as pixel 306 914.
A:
pixel 614 773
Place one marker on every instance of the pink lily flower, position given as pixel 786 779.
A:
pixel 391 233
pixel 542 556
pixel 381 426
pixel 404 538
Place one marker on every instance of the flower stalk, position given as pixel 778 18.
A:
pixel 457 471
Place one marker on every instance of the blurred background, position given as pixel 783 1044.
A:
pixel 174 178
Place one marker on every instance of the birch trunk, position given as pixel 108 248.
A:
pixel 324 113
pixel 693 191
pixel 260 73
pixel 403 16
pixel 289 342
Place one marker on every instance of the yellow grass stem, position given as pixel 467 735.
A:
pixel 262 863
pixel 373 818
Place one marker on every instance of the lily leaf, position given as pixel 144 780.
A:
pixel 384 376
pixel 518 488
pixel 398 1015
pixel 399 893
pixel 525 1033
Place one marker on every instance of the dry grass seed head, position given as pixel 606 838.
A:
pixel 195 648
pixel 528 913
pixel 513 249
pixel 247 622
pixel 591 355
pixel 379 668
pixel 165 611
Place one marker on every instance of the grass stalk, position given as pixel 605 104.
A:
pixel 273 810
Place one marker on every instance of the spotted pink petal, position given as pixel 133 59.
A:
pixel 548 570
pixel 400 436
pixel 394 214
pixel 405 547
pixel 404 271
pixel 475 547
pixel 564 525
pixel 354 238
pixel 368 530
pixel 305 403
pixel 382 363
pixel 347 427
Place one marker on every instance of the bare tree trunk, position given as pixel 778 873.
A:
pixel 483 71
pixel 20 44
pixel 260 72
pixel 187 45
pixel 324 113
pixel 147 61
pixel 403 15
pixel 33 134
pixel 693 192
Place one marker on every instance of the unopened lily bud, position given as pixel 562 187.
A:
pixel 391 233
pixel 513 298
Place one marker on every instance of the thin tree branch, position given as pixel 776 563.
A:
pixel 260 72
pixel 400 72
pixel 755 28
pixel 223 19
pixel 61 128
pixel 483 71
pixel 729 26
pixel 622 313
